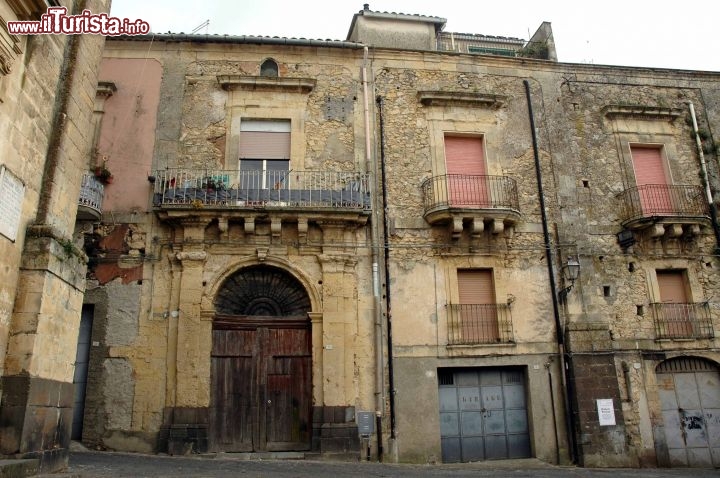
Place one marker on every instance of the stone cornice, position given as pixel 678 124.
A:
pixel 646 112
pixel 450 98
pixel 252 83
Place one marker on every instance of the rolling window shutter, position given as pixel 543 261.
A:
pixel 672 286
pixel 464 155
pixel 265 140
pixel 476 287
pixel 648 164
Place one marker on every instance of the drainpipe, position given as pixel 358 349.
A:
pixel 551 275
pixel 386 257
pixel 706 179
pixel 371 166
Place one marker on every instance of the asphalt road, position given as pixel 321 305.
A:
pixel 118 465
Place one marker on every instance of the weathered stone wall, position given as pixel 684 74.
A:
pixel 48 101
pixel 590 121
pixel 585 121
pixel 158 328
pixel 586 163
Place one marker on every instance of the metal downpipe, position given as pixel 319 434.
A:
pixel 386 257
pixel 371 165
pixel 551 275
pixel 705 178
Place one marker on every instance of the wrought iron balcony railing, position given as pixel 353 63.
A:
pixel 90 202
pixel 663 200
pixel 467 191
pixel 473 324
pixel 682 321
pixel 260 189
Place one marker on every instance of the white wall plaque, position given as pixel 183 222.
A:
pixel 12 192
pixel 606 412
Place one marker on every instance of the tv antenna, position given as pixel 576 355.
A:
pixel 204 25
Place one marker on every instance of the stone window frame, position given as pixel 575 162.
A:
pixel 461 114
pixel 662 141
pixel 440 129
pixel 266 98
pixel 452 287
pixel 645 127
pixel 694 287
pixel 297 133
pixel 667 151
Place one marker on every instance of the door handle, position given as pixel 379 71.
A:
pixel 269 402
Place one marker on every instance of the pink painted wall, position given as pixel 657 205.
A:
pixel 127 134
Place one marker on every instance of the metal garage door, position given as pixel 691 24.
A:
pixel 689 391
pixel 483 414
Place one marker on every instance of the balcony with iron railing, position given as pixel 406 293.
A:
pixel 90 201
pixel 473 43
pixel 271 190
pixel 478 324
pixel 479 198
pixel 682 321
pixel 646 205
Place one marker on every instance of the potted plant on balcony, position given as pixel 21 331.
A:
pixel 103 173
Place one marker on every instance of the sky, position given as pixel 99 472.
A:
pixel 659 33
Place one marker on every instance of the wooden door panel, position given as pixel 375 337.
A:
pixel 261 397
pixel 288 414
pixel 287 389
pixel 232 412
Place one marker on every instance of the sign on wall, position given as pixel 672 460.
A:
pixel 12 192
pixel 606 412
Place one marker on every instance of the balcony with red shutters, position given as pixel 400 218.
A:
pixel 664 209
pixel 479 202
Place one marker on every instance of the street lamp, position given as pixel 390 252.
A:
pixel 570 272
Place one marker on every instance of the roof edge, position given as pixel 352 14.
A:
pixel 238 39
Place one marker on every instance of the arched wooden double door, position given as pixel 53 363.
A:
pixel 261 363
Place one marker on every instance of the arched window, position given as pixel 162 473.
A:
pixel 269 68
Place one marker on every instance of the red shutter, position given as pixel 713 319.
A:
pixel 649 165
pixel 651 180
pixel 476 287
pixel 264 145
pixel 464 155
pixel 465 165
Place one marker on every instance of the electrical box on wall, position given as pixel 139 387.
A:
pixel 366 423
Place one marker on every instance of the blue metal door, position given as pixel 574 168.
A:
pixel 689 390
pixel 483 414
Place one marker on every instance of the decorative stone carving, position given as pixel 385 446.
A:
pixel 191 256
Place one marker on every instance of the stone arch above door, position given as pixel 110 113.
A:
pixel 217 282
pixel 262 290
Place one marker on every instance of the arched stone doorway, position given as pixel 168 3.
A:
pixel 689 392
pixel 261 363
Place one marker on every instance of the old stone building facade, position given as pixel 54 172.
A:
pixel 446 247
pixel 47 90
